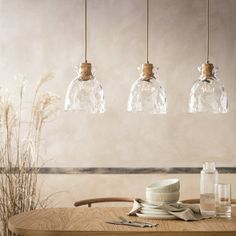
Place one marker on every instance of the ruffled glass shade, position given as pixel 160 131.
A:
pixel 208 93
pixel 85 92
pixel 147 94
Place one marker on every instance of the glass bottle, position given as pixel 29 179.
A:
pixel 85 92
pixel 209 177
pixel 147 94
pixel 208 93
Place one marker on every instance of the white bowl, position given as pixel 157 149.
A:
pixel 156 198
pixel 164 186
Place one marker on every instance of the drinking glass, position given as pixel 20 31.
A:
pixel 223 200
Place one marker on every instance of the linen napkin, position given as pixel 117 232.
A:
pixel 187 212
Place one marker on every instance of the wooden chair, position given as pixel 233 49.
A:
pixel 197 201
pixel 191 201
pixel 91 201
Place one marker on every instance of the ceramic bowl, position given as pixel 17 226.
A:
pixel 164 186
pixel 156 198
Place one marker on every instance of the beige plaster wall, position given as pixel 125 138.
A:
pixel 70 188
pixel 47 35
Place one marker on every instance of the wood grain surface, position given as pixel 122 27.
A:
pixel 91 221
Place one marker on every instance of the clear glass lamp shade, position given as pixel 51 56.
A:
pixel 85 95
pixel 147 95
pixel 208 95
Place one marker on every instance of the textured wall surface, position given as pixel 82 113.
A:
pixel 47 35
pixel 70 188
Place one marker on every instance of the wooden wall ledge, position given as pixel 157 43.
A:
pixel 127 170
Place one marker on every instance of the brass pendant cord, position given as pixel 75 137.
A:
pixel 147 28
pixel 208 31
pixel 85 31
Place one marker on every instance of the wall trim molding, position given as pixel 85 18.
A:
pixel 127 170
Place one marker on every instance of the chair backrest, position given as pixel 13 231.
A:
pixel 197 201
pixel 89 202
pixel 191 201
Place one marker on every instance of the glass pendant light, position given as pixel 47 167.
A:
pixel 146 93
pixel 85 92
pixel 208 93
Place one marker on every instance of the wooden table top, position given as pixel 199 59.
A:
pixel 83 221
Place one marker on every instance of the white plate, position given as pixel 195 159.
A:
pixel 154 205
pixel 160 217
pixel 150 205
pixel 154 212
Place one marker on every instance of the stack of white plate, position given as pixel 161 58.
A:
pixel 163 191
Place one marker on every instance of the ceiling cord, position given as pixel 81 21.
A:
pixel 208 31
pixel 147 28
pixel 85 31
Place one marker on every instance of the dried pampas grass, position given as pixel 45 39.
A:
pixel 19 155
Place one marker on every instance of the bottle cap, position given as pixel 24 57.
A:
pixel 85 70
pixel 207 69
pixel 211 166
pixel 147 72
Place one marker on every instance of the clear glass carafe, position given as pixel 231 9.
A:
pixel 209 177
pixel 147 94
pixel 85 92
pixel 208 93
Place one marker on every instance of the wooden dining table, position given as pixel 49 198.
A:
pixel 83 221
